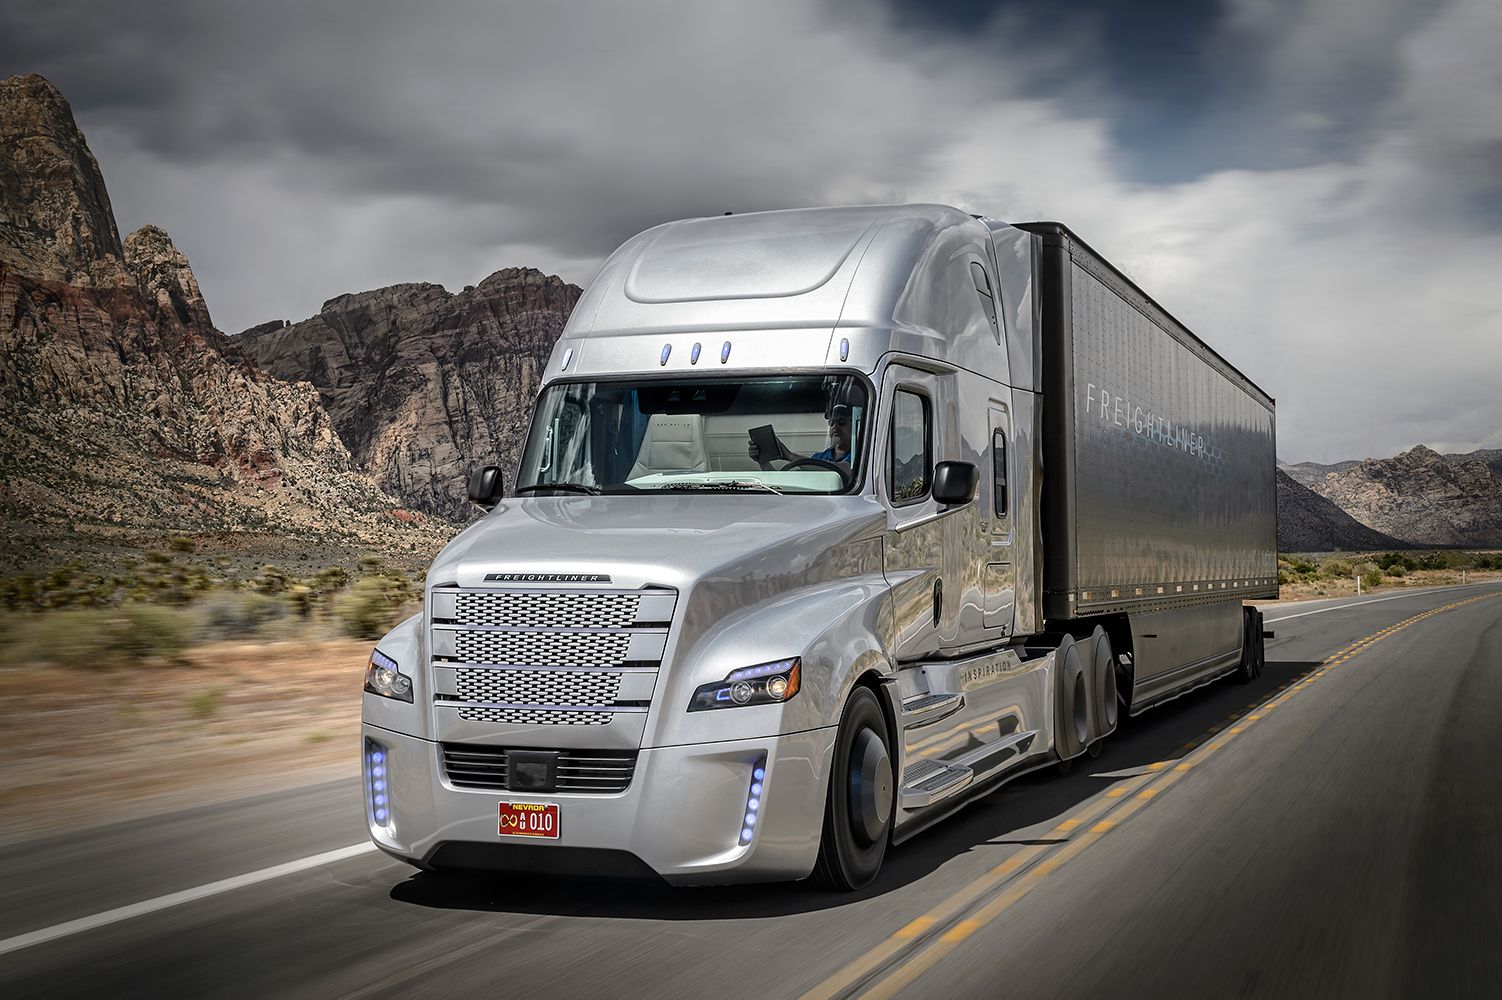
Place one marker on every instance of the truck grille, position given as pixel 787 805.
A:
pixel 552 649
pixel 535 610
pixel 598 771
pixel 575 657
pixel 539 687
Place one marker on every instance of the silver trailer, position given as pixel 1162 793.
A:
pixel 828 521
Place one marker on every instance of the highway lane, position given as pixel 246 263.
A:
pixel 1342 843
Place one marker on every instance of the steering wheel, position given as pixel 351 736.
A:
pixel 845 476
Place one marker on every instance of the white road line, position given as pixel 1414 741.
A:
pixel 1374 600
pixel 144 907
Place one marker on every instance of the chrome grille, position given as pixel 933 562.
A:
pixel 533 716
pixel 543 649
pixel 599 771
pixel 574 657
pixel 539 687
pixel 543 610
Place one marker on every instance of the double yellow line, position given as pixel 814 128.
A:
pixel 887 969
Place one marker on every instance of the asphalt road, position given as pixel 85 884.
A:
pixel 1334 829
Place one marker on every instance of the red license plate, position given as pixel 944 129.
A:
pixel 529 819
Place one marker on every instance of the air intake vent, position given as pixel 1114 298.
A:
pixel 579 771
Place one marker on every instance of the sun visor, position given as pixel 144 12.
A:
pixel 767 255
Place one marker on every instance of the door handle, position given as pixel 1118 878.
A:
pixel 938 601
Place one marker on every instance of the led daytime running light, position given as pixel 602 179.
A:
pixel 754 799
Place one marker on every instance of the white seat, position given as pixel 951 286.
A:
pixel 673 443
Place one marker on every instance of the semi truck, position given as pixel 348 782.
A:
pixel 828 521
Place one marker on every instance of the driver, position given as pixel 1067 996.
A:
pixel 839 441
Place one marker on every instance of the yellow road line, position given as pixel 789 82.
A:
pixel 926 956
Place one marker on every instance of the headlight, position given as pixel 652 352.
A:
pixel 383 677
pixel 764 684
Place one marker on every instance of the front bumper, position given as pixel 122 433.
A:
pixel 681 815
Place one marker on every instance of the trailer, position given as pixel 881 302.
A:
pixel 828 521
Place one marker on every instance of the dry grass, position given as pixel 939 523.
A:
pixel 1346 586
pixel 220 721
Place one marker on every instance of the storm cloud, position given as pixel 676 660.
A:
pixel 1313 186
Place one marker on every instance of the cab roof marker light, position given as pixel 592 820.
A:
pixel 667 349
pixel 568 356
pixel 844 348
pixel 753 801
pixel 725 353
pixel 693 354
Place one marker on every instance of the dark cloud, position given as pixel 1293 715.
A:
pixel 1261 165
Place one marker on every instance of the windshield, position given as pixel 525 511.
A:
pixel 783 434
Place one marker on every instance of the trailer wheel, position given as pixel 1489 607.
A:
pixel 858 810
pixel 1250 667
pixel 1071 703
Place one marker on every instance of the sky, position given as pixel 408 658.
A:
pixel 1313 186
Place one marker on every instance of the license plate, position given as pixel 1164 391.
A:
pixel 529 819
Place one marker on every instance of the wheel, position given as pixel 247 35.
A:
pixel 1103 684
pixel 1261 642
pixel 1072 703
pixel 859 808
pixel 820 463
pixel 1251 634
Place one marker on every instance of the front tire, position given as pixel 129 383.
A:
pixel 861 802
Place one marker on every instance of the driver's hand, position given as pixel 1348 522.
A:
pixel 753 452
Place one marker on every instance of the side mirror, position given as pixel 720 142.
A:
pixel 955 483
pixel 486 486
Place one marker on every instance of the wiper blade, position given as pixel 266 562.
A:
pixel 727 485
pixel 563 487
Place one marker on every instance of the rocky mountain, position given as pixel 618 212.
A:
pixel 1491 456
pixel 1307 522
pixel 422 383
pixel 1309 473
pixel 124 414
pixel 1422 497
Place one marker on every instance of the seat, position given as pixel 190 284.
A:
pixel 672 443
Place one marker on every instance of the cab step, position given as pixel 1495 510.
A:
pixel 929 781
pixel 926 709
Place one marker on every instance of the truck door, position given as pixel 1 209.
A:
pixel 913 549
pixel 1000 574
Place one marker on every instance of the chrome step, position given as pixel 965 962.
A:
pixel 999 752
pixel 929 781
pixel 926 709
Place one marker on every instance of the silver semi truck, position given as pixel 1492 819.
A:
pixel 828 521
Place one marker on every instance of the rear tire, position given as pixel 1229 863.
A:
pixel 862 798
pixel 1250 667
pixel 1071 703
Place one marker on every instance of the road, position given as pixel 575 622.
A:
pixel 1333 829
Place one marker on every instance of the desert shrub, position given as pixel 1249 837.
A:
pixel 273 580
pixel 1371 576
pixel 205 704
pixel 1336 568
pixel 369 608
pixel 182 544
pixel 1396 560
pixel 96 637
pixel 238 615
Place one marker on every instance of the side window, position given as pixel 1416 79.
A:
pixel 910 461
pixel 999 471
pixel 987 300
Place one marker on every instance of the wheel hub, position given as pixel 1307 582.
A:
pixel 870 787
